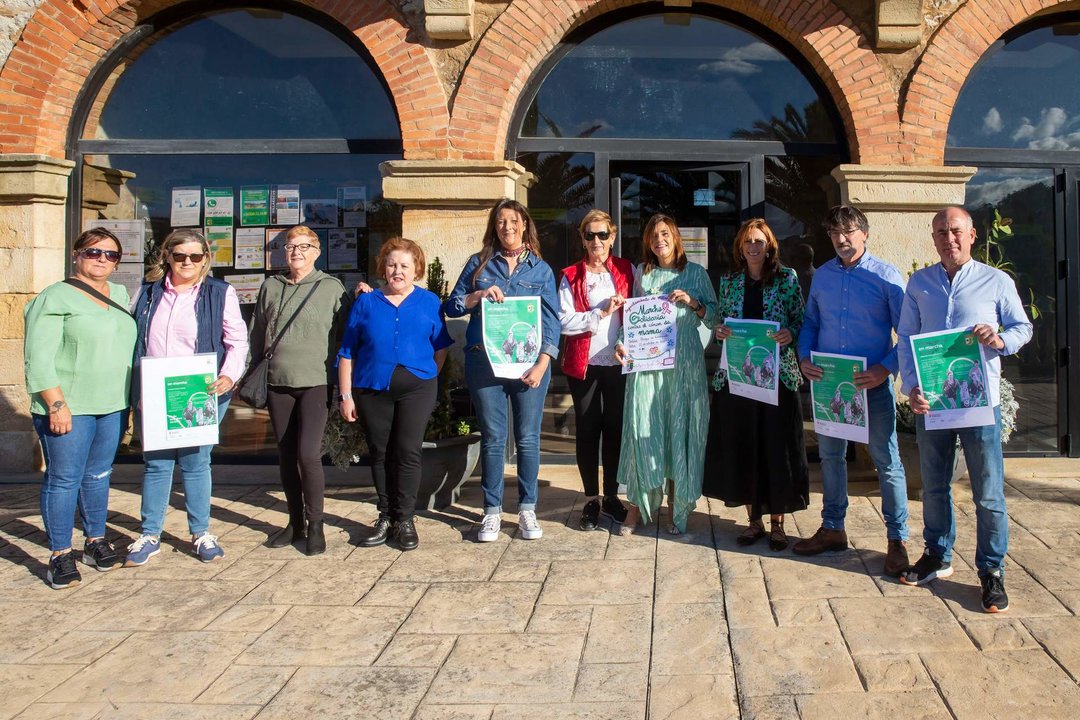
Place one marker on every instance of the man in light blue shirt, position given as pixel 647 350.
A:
pixel 853 308
pixel 962 293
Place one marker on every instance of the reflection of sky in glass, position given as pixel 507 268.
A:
pixel 648 78
pixel 239 74
pixel 1026 94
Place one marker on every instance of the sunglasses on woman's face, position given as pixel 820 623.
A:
pixel 196 258
pixel 94 253
pixel 603 235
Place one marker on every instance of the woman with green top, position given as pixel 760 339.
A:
pixel 666 411
pixel 299 377
pixel 79 342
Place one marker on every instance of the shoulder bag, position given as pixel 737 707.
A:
pixel 252 387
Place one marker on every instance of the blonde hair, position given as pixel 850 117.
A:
pixel 298 230
pixel 591 217
pixel 174 239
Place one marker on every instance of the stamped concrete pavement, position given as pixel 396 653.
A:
pixel 576 625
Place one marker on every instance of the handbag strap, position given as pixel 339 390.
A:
pixel 273 346
pixel 95 294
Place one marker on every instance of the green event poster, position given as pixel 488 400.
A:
pixel 951 370
pixel 218 208
pixel 512 332
pixel 255 205
pixel 187 404
pixel 839 406
pixel 752 357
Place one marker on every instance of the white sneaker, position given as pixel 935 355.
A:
pixel 530 529
pixel 489 528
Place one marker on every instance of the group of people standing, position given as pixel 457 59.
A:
pixel 650 430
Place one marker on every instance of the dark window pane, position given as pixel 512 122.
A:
pixel 559 199
pixel 244 74
pixel 799 190
pixel 1025 94
pixel 1013 211
pixel 696 78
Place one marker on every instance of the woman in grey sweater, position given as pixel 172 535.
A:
pixel 299 378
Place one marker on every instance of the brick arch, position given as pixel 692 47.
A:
pixel 946 63
pixel 61 45
pixel 820 30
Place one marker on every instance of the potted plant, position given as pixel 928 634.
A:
pixel 909 449
pixel 451 450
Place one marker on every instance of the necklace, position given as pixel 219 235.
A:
pixel 513 253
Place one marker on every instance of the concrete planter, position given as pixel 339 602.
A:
pixel 909 455
pixel 447 464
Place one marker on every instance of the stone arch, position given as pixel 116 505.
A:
pixel 821 31
pixel 64 41
pixel 946 63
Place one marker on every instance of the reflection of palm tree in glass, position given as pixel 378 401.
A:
pixel 792 182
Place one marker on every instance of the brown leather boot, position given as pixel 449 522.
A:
pixel 824 539
pixel 896 559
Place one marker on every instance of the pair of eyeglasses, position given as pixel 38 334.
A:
pixel 838 232
pixel 302 247
pixel 603 235
pixel 196 258
pixel 94 253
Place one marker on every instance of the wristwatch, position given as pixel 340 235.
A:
pixel 344 396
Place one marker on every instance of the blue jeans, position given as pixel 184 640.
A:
pixel 881 415
pixel 490 395
pixel 194 465
pixel 986 468
pixel 78 465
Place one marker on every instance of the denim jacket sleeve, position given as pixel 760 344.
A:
pixel 549 298
pixel 454 307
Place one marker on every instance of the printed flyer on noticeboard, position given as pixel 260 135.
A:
pixel 186 208
pixel 752 359
pixel 839 407
pixel 512 332
pixel 255 205
pixel 218 206
pixel 951 368
pixel 177 410
pixel 649 333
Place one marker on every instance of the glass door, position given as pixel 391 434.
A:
pixel 707 201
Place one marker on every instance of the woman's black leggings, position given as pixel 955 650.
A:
pixel 598 411
pixel 395 420
pixel 299 418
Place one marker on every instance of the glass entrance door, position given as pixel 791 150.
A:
pixel 707 201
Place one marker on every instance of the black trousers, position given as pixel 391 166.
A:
pixel 598 411
pixel 299 418
pixel 395 420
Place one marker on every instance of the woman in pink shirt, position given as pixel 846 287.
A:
pixel 179 311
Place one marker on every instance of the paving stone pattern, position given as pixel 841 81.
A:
pixel 574 626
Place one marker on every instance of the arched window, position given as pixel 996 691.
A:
pixel 1017 119
pixel 707 117
pixel 279 110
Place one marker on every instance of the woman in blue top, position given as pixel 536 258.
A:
pixel 394 346
pixel 509 265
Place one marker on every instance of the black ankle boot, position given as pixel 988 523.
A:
pixel 316 541
pixel 291 533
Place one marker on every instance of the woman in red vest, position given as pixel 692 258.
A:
pixel 591 294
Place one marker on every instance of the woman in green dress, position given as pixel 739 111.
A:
pixel 667 410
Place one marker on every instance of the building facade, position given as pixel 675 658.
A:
pixel 412 117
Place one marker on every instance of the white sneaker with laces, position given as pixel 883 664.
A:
pixel 530 529
pixel 489 528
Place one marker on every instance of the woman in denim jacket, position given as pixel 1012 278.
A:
pixel 508 265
